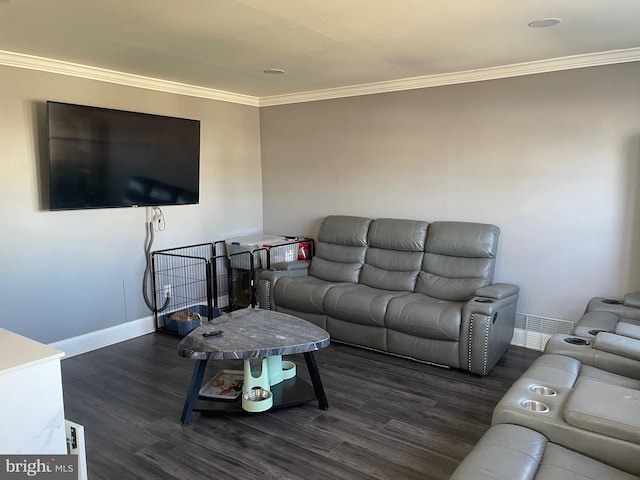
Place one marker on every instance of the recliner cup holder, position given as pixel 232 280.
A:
pixel 595 332
pixel 544 391
pixel 576 341
pixel 534 406
pixel 484 300
pixel 610 301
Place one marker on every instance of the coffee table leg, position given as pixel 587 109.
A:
pixel 315 380
pixel 194 390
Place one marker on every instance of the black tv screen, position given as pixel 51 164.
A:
pixel 101 158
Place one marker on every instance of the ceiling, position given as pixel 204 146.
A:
pixel 323 45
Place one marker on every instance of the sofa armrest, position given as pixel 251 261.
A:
pixel 629 307
pixel 618 345
pixel 268 279
pixel 505 452
pixel 600 358
pixel 632 300
pixel 488 321
pixel 295 265
pixel 498 291
pixel 628 330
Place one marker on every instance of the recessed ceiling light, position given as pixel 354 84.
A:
pixel 545 22
pixel 273 71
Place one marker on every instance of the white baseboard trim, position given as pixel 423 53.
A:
pixel 126 331
pixel 103 338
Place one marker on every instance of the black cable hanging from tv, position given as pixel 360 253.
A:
pixel 147 271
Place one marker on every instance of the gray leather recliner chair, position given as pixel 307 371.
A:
pixel 575 413
pixel 589 410
pixel 608 315
pixel 607 336
pixel 512 452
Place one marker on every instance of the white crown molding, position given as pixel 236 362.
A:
pixel 506 71
pixel 516 70
pixel 20 60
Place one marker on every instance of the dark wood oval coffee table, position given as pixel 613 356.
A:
pixel 254 333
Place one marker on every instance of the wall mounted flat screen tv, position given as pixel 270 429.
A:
pixel 101 158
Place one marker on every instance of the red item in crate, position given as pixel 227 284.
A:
pixel 304 250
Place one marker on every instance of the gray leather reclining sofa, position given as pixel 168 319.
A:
pixel 405 287
pixel 609 315
pixel 606 336
pixel 566 418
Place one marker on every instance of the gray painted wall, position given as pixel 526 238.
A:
pixel 68 273
pixel 552 159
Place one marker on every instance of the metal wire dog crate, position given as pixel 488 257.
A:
pixel 249 256
pixel 189 284
pixel 196 283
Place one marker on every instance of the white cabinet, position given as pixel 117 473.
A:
pixel 31 402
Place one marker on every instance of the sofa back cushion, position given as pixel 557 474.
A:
pixel 459 259
pixel 395 253
pixel 340 249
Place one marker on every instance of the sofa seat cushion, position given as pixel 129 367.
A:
pixel 511 452
pixel 610 410
pixel 302 294
pixel 424 316
pixel 359 304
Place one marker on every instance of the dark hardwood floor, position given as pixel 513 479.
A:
pixel 388 417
